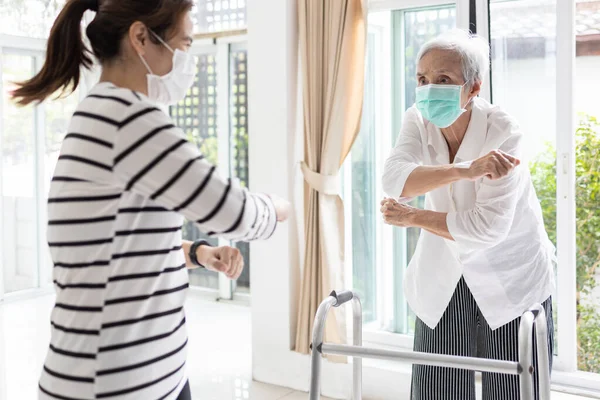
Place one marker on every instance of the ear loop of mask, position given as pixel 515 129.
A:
pixel 162 42
pixel 470 101
pixel 146 64
pixel 452 130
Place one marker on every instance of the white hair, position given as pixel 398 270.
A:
pixel 473 50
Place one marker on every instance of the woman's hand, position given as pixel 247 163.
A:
pixel 495 165
pixel 397 214
pixel 225 259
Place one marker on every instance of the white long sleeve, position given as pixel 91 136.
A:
pixel 490 220
pixel 153 158
pixel 405 157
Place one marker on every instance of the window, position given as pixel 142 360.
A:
pixel 220 15
pixel 19 191
pixel 362 173
pixel 34 18
pixel 416 27
pixel 30 141
pixel 380 254
pixel 523 60
pixel 239 137
pixel 587 154
pixel 197 117
pixel 214 116
pixel 29 18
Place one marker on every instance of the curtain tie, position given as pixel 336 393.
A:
pixel 324 184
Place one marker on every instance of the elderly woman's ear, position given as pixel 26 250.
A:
pixel 472 91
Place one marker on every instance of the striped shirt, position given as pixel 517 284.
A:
pixel 125 179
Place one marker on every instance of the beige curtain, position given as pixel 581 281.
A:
pixel 332 53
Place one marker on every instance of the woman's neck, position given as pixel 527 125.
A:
pixel 124 76
pixel 455 133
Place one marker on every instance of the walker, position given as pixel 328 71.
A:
pixel 524 367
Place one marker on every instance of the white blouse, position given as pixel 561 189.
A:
pixel 501 247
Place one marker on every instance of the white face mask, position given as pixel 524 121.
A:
pixel 171 88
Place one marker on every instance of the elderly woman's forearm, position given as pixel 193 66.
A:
pixel 433 222
pixel 426 178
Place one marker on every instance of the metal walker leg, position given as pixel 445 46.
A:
pixel 336 300
pixel 535 317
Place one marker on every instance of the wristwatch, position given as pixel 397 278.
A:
pixel 193 252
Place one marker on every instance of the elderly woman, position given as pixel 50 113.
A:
pixel 483 257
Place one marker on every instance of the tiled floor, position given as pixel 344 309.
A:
pixel 219 364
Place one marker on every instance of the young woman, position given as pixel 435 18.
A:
pixel 125 179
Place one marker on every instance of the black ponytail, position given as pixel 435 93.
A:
pixel 65 55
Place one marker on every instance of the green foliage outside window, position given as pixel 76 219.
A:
pixel 543 171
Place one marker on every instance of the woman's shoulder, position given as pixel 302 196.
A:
pixel 413 119
pixel 413 114
pixel 497 117
pixel 120 103
pixel 118 95
pixel 499 121
pixel 502 127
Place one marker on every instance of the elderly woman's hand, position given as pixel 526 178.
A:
pixel 397 214
pixel 494 165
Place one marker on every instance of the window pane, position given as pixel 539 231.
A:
pixel 394 38
pixel 220 15
pixel 523 38
pixel 238 76
pixel 587 87
pixel 412 30
pixel 364 192
pixel 19 215
pixel 197 117
pixel 30 18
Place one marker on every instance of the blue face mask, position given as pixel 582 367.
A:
pixel 440 104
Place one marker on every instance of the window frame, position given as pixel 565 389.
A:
pixel 383 237
pixel 221 48
pixel 34 48
pixel 566 187
pixel 373 333
pixel 566 289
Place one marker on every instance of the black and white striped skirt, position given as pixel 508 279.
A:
pixel 463 331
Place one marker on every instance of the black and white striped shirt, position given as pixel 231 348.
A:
pixel 125 178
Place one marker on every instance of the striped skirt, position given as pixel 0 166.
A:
pixel 463 331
